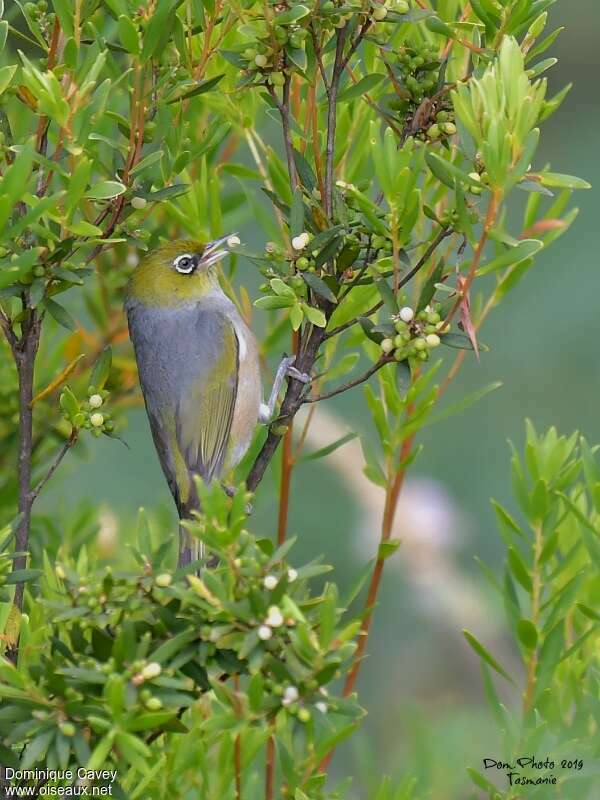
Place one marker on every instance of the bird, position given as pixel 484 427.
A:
pixel 199 370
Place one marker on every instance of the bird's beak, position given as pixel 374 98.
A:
pixel 213 251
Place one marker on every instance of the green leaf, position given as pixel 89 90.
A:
pixel 128 34
pixel 527 633
pixel 519 569
pixel 330 448
pixel 486 655
pixel 297 213
pixel 199 88
pixel 274 301
pixel 314 315
pixel 464 403
pixel 6 76
pixel 159 29
pixel 101 369
pixel 319 286
pixel 22 576
pixel 60 314
pixel 282 289
pixel 292 15
pixel 387 295
pixel 363 86
pixel 36 749
pixel 105 190
pixel 388 548
pixel 305 171
pixel 514 255
pixel 435 25
pixel 447 172
pixel 558 181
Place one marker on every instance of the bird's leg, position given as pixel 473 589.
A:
pixel 285 369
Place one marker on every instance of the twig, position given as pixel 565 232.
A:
pixel 270 769
pixel 55 465
pixel 351 384
pixel 391 502
pixel 332 120
pixel 287 466
pixel 284 111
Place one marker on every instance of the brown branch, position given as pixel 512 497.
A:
pixel 25 354
pixel 391 502
pixel 351 384
pixel 55 464
pixel 284 111
pixel 270 769
pixel 332 120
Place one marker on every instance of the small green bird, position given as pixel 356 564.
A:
pixel 199 370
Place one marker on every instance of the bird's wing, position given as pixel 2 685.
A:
pixel 205 409
pixel 188 367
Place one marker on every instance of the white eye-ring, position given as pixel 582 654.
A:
pixel 184 264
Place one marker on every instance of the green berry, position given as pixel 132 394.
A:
pixel 434 132
pixel 387 345
pixel 303 714
pixel 302 263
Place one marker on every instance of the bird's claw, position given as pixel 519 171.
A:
pixel 292 372
pixel 299 376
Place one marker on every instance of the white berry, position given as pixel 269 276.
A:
pixel 139 202
pixel 97 420
pixel 406 314
pixel 152 670
pixel 96 401
pixel 275 617
pixel 233 241
pixel 290 695
pixel 433 340
pixel 270 582
pixel 264 633
pixel 322 707
pixel 292 574
pixel 299 242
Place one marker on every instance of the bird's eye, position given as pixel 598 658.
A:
pixel 184 264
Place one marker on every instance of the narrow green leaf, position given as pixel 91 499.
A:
pixel 359 89
pixel 330 448
pixel 297 213
pixel 486 655
pixel 60 314
pixel 319 286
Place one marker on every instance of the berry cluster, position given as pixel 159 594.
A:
pixel 89 414
pixel 416 334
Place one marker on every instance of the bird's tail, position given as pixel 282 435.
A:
pixel 191 548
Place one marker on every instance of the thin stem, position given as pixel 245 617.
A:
pixel 284 111
pixel 270 769
pixel 332 121
pixel 536 593
pixel 387 525
pixel 351 384
pixel 287 466
pixel 55 464
pixel 25 361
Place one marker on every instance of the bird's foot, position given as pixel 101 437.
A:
pixel 292 372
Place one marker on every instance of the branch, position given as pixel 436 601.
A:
pixel 284 111
pixel 8 331
pixel 332 120
pixel 55 464
pixel 444 232
pixel 351 384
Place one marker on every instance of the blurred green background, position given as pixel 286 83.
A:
pixel 421 682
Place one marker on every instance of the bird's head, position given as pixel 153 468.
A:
pixel 178 271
